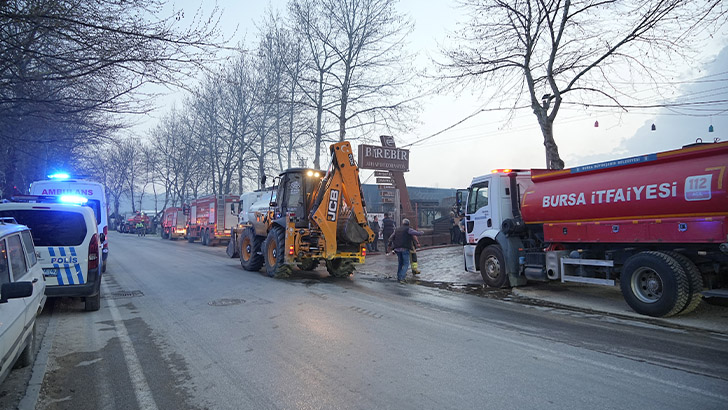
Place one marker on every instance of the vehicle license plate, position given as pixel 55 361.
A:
pixel 50 272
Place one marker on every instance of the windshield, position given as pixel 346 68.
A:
pixel 51 228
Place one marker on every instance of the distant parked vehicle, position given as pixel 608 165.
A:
pixel 174 223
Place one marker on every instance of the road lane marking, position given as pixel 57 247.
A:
pixel 141 387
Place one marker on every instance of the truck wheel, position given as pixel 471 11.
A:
pixel 26 356
pixel 203 237
pixel 654 284
pixel 190 238
pixel 274 250
pixel 93 303
pixel 493 267
pixel 250 256
pixel 695 281
pixel 339 267
pixel 308 264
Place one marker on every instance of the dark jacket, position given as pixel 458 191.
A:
pixel 388 224
pixel 402 237
pixel 374 225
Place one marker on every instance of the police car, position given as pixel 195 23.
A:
pixel 22 296
pixel 93 192
pixel 68 245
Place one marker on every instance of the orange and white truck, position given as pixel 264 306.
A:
pixel 211 219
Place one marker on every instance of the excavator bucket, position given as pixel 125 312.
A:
pixel 350 231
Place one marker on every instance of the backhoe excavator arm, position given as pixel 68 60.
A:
pixel 341 190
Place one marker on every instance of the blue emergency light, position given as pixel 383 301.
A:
pixel 58 175
pixel 73 199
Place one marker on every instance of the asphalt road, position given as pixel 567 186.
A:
pixel 183 327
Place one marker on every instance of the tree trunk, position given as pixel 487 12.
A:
pixel 319 120
pixel 553 160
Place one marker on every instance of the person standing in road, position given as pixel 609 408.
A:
pixel 374 225
pixel 387 230
pixel 401 241
pixel 454 229
pixel 140 228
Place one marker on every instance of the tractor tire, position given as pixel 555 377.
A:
pixel 493 267
pixel 340 268
pixel 695 282
pixel 251 257
pixel 274 250
pixel 654 284
pixel 308 264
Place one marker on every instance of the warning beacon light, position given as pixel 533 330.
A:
pixel 59 175
pixel 73 199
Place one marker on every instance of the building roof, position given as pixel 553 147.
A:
pixel 425 196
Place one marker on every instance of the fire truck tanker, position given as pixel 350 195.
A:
pixel 655 225
pixel 173 223
pixel 211 218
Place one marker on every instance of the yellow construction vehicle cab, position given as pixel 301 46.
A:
pixel 315 216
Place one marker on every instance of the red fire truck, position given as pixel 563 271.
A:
pixel 174 223
pixel 211 218
pixel 655 225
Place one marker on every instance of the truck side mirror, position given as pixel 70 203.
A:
pixel 262 181
pixel 273 204
pixel 232 208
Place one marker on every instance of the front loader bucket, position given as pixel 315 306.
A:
pixel 350 231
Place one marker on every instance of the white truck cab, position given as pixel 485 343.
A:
pixel 487 206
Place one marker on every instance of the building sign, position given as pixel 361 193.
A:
pixel 384 158
pixel 387 141
pixel 385 181
pixel 387 200
pixel 386 187
pixel 382 174
pixel 386 193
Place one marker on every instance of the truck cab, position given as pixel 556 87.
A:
pixel 487 205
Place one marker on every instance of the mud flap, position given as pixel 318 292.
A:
pixel 231 250
pixel 510 254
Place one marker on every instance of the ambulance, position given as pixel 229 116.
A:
pixel 63 184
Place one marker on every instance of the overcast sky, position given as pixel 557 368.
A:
pixel 489 140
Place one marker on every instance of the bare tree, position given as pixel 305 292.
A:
pixel 371 71
pixel 319 59
pixel 238 112
pixel 548 50
pixel 75 64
